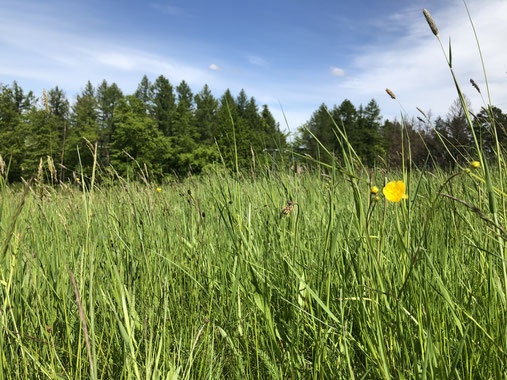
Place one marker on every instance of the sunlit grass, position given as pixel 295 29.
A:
pixel 209 279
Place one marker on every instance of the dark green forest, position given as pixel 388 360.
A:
pixel 167 130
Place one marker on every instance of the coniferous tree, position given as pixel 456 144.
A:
pixel 205 116
pixel 183 140
pixel 108 97
pixel 346 118
pixel 12 131
pixel 491 130
pixel 22 102
pixel 137 134
pixel 369 145
pixel 84 131
pixel 318 130
pixel 59 116
pixel 276 139
pixel 164 105
pixel 144 93
pixel 242 103
pixel 229 135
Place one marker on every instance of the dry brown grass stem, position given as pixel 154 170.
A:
pixel 2 165
pixel 390 93
pixel 83 321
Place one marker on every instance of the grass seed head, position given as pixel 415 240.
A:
pixel 475 85
pixel 390 93
pixel 422 112
pixel 45 98
pixel 431 23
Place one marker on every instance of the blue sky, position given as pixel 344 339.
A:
pixel 297 54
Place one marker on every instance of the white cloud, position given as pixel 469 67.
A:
pixel 214 67
pixel 414 67
pixel 337 72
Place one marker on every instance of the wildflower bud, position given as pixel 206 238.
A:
pixel 475 164
pixel 431 23
pixel 467 170
pixel 376 199
pixel 374 190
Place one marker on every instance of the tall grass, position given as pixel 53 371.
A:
pixel 208 278
pixel 201 280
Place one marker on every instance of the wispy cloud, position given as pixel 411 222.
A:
pixel 257 61
pixel 337 72
pixel 48 52
pixel 168 9
pixel 214 67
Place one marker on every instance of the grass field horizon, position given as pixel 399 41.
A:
pixel 339 272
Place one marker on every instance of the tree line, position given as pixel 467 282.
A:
pixel 440 142
pixel 171 130
pixel 164 128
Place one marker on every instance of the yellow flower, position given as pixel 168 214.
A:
pixel 475 164
pixel 395 191
pixel 374 190
pixel 159 189
pixel 77 179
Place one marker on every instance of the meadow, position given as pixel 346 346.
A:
pixel 208 278
pixel 259 274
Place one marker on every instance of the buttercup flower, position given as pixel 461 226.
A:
pixel 475 164
pixel 159 189
pixel 395 191
pixel 374 190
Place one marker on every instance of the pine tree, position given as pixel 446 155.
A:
pixel 84 130
pixel 144 93
pixel 318 130
pixel 242 103
pixel 12 132
pixel 276 138
pixel 136 133
pixel 59 117
pixel 491 130
pixel 164 105
pixel 205 116
pixel 22 102
pixel 369 143
pixel 108 97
